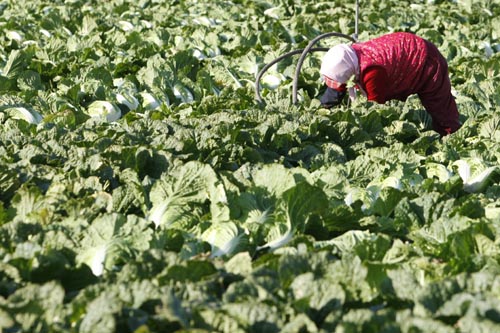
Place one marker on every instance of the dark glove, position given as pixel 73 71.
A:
pixel 332 98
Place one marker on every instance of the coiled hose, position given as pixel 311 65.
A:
pixel 303 53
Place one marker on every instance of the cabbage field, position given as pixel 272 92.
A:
pixel 143 189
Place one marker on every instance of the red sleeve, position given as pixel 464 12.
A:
pixel 342 87
pixel 375 82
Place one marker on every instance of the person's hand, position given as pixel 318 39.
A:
pixel 331 98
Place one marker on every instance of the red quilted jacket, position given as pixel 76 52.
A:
pixel 400 64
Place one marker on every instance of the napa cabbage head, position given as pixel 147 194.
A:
pixel 371 193
pixel 27 114
pixel 225 238
pixel 476 174
pixel 111 239
pixel 438 171
pixel 128 99
pixel 104 109
pixel 152 101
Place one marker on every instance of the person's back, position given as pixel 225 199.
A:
pixel 395 66
pixel 401 55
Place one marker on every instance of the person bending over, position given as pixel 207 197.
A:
pixel 393 66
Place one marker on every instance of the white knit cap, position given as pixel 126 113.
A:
pixel 340 63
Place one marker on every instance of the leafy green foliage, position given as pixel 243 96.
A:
pixel 142 189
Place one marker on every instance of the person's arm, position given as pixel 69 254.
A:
pixel 333 94
pixel 375 82
pixel 332 97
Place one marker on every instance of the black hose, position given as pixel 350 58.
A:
pixel 304 54
pixel 269 65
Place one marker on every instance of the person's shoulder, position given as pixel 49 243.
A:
pixel 403 35
pixel 374 71
pixel 400 39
